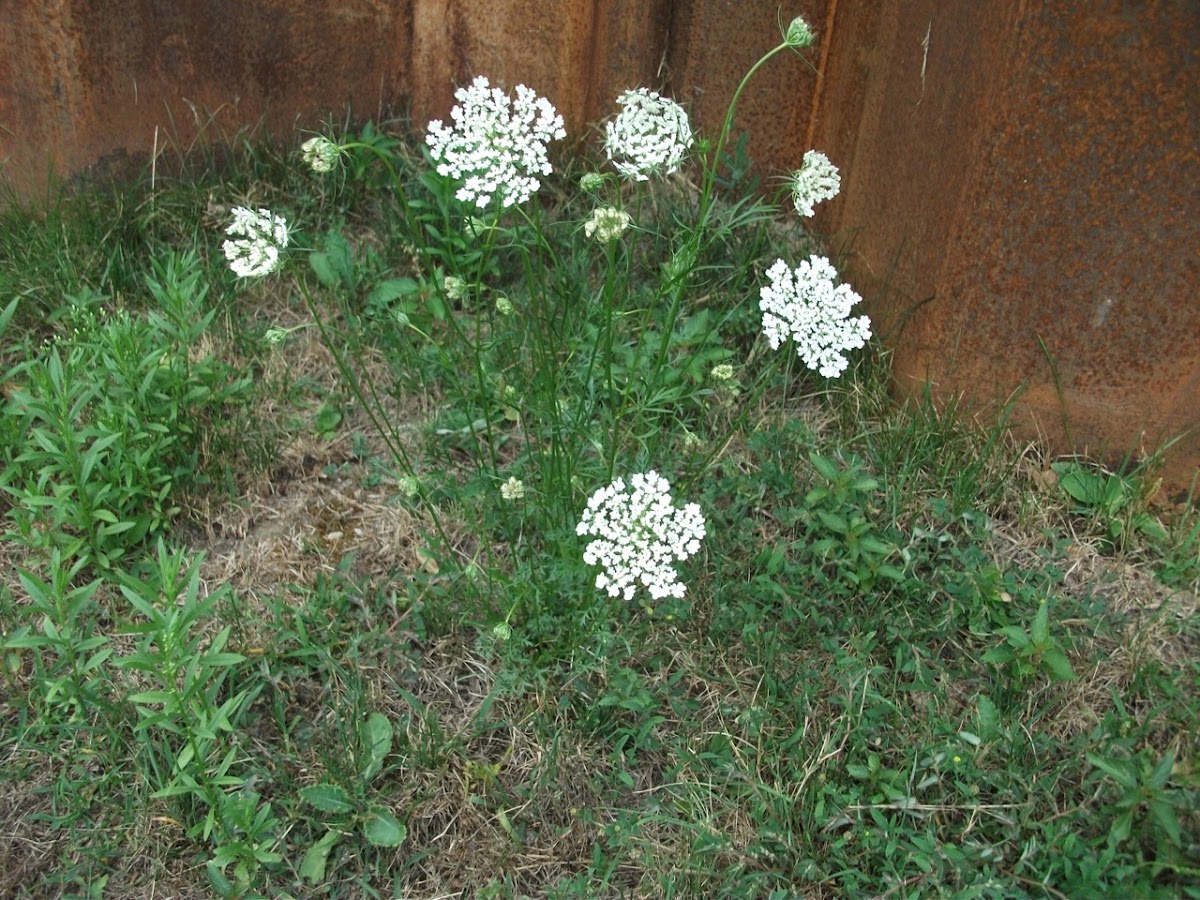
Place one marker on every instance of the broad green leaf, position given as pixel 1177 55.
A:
pixel 1040 630
pixel 383 829
pixel 1121 828
pixel 1114 769
pixel 392 289
pixel 312 866
pixel 999 656
pixel 1162 772
pixel 152 697
pixel 328 798
pixel 7 314
pixel 1016 636
pixel 988 715
pixel 1167 819
pixel 376 737
pixel 826 467
pixel 1056 663
pixel 833 522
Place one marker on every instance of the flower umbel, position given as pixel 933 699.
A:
pixel 816 180
pixel 496 146
pixel 606 224
pixel 650 136
pixel 455 287
pixel 805 305
pixel 320 153
pixel 799 34
pixel 261 235
pixel 513 489
pixel 638 536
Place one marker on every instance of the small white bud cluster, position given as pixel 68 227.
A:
pixel 606 224
pixel 320 153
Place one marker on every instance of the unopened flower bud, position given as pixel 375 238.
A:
pixel 320 153
pixel 799 34
pixel 591 182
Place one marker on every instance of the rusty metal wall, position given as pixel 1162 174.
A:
pixel 1020 180
pixel 1022 208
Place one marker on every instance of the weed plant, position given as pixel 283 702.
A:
pixel 566 576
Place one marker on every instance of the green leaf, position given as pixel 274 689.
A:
pixel 383 829
pixel 328 419
pixel 1055 662
pixel 392 289
pixel 999 656
pixel 328 798
pixel 1121 828
pixel 833 522
pixel 219 660
pixel 152 697
pixel 1166 818
pixel 312 867
pixel 221 885
pixel 7 314
pixel 376 737
pixel 1040 630
pixel 1080 485
pixel 826 467
pixel 1114 769
pixel 1015 636
pixel 1162 772
pixel 988 715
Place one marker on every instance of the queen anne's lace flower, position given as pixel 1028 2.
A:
pixel 513 489
pixel 650 136
pixel 799 34
pixel 261 235
pixel 496 146
pixel 816 180
pixel 638 536
pixel 320 153
pixel 805 305
pixel 606 224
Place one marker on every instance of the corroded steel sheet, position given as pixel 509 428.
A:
pixel 1021 206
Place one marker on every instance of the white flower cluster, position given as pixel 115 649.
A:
pixel 497 146
pixel 606 224
pixel 816 180
pixel 650 136
pixel 261 235
pixel 639 535
pixel 320 153
pixel 513 489
pixel 805 305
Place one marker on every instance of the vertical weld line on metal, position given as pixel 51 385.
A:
pixel 822 65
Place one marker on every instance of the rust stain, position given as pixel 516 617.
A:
pixel 1031 220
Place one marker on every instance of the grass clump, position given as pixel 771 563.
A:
pixel 300 605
